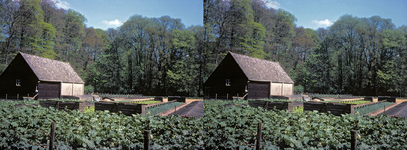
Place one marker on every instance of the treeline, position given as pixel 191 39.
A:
pixel 160 56
pixel 153 56
pixel 361 56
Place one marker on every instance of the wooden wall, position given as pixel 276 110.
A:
pixel 216 83
pixel 334 108
pixel 282 89
pixel 258 90
pixel 80 106
pixel 272 105
pixel 18 69
pixel 49 90
pixel 72 89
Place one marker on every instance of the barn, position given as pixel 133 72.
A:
pixel 248 77
pixel 28 75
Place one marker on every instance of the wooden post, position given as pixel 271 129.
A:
pixel 216 96
pixel 17 96
pixel 227 96
pixel 6 96
pixel 258 143
pixel 353 139
pixel 52 136
pixel 146 139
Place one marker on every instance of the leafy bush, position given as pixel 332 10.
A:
pixel 89 89
pixel 236 128
pixel 298 89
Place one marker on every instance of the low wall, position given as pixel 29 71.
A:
pixel 61 105
pixel 126 108
pixel 334 108
pixel 387 98
pixel 178 98
pixel 271 105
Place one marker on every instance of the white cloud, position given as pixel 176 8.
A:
pixel 61 4
pixel 272 4
pixel 113 23
pixel 324 23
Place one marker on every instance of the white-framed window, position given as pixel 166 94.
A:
pixel 18 82
pixel 228 82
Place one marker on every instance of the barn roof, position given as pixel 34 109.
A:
pixel 51 70
pixel 257 69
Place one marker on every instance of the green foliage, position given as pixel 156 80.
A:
pixel 147 102
pixel 26 127
pixel 298 89
pixel 234 127
pixel 363 110
pixel 153 110
pixel 89 89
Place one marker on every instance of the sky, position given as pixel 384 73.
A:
pixel 106 14
pixel 309 13
pixel 323 13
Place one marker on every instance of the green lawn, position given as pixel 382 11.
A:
pixel 357 102
pixel 147 102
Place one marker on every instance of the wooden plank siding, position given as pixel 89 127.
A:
pixel 49 90
pixel 334 108
pixel 62 105
pixel 258 90
pixel 272 105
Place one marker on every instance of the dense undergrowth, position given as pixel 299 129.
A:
pixel 236 127
pixel 29 128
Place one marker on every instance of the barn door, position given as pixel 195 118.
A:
pixel 258 90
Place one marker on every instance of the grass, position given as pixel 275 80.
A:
pixel 147 102
pixel 90 109
pixel 299 109
pixel 357 102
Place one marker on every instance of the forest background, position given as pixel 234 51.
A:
pixel 160 56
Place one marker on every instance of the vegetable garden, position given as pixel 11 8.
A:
pixel 29 127
pixel 236 127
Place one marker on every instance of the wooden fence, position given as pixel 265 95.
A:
pixel 272 105
pixel 62 105
pixel 126 108
pixel 177 98
pixel 334 108
pixel 387 98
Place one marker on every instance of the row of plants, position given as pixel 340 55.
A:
pixel 147 102
pixel 236 128
pixel 120 95
pixel 29 128
pixel 161 108
pixel 365 109
pixel 330 95
pixel 356 102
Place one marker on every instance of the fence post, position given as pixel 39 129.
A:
pixel 354 140
pixel 52 136
pixel 227 96
pixel 17 96
pixel 146 139
pixel 216 96
pixel 6 96
pixel 258 143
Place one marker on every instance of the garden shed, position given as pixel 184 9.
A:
pixel 28 75
pixel 249 77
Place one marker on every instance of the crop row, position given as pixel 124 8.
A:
pixel 236 127
pixel 29 127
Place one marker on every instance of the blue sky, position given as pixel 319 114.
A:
pixel 112 13
pixel 322 13
pixel 309 13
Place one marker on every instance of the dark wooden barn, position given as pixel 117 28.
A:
pixel 253 78
pixel 28 75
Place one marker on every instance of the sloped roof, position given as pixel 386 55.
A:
pixel 51 70
pixel 257 69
